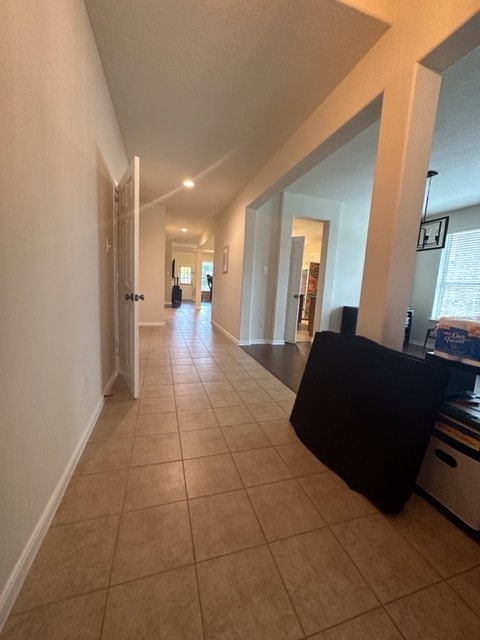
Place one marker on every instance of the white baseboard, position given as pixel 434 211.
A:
pixel 247 343
pixel 19 573
pixel 225 332
pixel 106 391
pixel 151 324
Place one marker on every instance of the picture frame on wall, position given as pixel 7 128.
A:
pixel 432 234
pixel 225 259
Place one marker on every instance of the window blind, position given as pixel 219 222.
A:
pixel 458 284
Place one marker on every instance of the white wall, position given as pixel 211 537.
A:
pixel 229 232
pixel 152 265
pixel 168 272
pixel 426 272
pixel 344 238
pixel 269 230
pixel 61 151
pixel 263 282
pixel 350 258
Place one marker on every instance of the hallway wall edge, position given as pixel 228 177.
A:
pixel 19 573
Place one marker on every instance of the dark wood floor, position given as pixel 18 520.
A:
pixel 287 362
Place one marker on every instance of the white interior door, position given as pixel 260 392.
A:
pixel 294 283
pixel 128 297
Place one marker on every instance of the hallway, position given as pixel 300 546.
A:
pixel 195 512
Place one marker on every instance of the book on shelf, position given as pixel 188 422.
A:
pixel 465 407
pixel 458 431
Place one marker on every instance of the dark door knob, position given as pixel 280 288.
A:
pixel 139 297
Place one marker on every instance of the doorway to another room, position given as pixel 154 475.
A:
pixel 192 269
pixel 300 326
pixel 207 280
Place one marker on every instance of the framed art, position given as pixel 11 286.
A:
pixel 432 234
pixel 225 260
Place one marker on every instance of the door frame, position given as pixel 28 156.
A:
pixel 323 288
pixel 291 285
pixel 116 309
pixel 134 167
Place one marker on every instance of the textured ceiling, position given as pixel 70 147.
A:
pixel 210 89
pixel 347 175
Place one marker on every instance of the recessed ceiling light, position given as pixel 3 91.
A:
pixel 184 229
pixel 188 183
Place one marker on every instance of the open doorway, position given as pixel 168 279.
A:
pixel 207 278
pixel 300 323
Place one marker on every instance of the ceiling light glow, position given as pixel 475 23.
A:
pixel 184 229
pixel 188 183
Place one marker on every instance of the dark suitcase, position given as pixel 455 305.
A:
pixel 176 296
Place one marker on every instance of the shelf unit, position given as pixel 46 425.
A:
pixel 450 472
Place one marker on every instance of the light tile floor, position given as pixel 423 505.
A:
pixel 195 512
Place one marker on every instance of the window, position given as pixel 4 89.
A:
pixel 458 283
pixel 185 275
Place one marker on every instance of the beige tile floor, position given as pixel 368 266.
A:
pixel 195 512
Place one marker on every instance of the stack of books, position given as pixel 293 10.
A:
pixel 459 420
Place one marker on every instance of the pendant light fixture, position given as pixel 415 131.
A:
pixel 432 233
pixel 430 174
